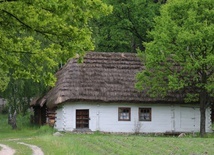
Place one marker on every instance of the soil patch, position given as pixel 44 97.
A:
pixel 6 150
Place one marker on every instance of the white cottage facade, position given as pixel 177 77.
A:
pixel 99 95
pixel 130 118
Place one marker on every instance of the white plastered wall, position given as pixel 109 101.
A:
pixel 104 117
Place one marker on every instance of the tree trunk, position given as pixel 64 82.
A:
pixel 203 102
pixel 13 122
pixel 12 119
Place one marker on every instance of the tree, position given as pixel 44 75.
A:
pixel 126 28
pixel 35 35
pixel 20 92
pixel 181 55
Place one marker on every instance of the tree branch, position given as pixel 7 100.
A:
pixel 20 21
pixel 29 27
pixel 21 52
pixel 8 1
pixel 134 28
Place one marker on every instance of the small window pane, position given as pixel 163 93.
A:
pixel 145 114
pixel 124 114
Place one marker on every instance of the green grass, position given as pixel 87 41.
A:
pixel 101 144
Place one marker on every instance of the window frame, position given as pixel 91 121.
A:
pixel 150 114
pixel 119 112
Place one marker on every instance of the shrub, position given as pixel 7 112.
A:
pixel 46 129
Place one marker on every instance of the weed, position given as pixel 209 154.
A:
pixel 97 132
pixel 137 127
pixel 46 129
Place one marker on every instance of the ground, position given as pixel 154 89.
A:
pixel 28 140
pixel 6 150
pixel 102 144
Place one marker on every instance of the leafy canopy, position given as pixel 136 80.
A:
pixel 180 55
pixel 35 35
pixel 126 28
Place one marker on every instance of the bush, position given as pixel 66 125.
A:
pixel 23 121
pixel 5 110
pixel 46 129
pixel 3 122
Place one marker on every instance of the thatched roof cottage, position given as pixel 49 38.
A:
pixel 99 94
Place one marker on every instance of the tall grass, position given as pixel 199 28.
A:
pixel 3 123
pixel 98 143
pixel 23 122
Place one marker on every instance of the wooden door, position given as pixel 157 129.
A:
pixel 82 118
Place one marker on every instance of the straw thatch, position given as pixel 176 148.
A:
pixel 105 77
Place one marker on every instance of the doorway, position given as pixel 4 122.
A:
pixel 82 118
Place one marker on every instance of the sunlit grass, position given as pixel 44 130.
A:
pixel 122 144
pixel 100 144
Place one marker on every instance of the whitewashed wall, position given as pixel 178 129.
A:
pixel 104 117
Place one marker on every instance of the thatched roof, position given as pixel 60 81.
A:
pixel 103 77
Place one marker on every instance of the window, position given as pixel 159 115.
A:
pixel 124 114
pixel 145 114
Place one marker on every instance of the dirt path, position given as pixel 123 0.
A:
pixel 6 150
pixel 36 149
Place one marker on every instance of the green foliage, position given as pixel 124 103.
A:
pixel 4 79
pixel 5 110
pixel 126 28
pixel 180 55
pixel 20 92
pixel 45 130
pixel 3 123
pixel 23 123
pixel 36 35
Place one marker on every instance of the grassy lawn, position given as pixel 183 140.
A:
pixel 101 144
